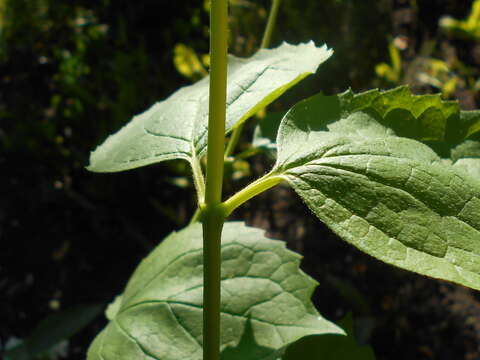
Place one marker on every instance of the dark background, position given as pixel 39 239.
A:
pixel 72 72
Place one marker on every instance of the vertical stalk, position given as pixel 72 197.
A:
pixel 212 234
pixel 218 100
pixel 214 218
pixel 272 17
pixel 267 36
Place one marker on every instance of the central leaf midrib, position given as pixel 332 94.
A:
pixel 200 285
pixel 372 177
pixel 245 89
pixel 190 252
pixel 176 137
pixel 243 316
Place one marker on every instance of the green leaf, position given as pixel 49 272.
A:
pixel 265 301
pixel 470 120
pixel 176 128
pixel 53 329
pixel 330 347
pixel 391 196
pixel 424 118
pixel 113 308
pixel 419 117
pixel 466 156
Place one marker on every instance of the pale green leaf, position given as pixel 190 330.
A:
pixel 113 308
pixel 390 196
pixel 265 301
pixel 176 128
pixel 466 156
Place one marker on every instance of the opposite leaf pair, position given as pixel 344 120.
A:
pixel 394 174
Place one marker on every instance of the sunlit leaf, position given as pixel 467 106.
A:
pixel 176 128
pixel 355 162
pixel 265 301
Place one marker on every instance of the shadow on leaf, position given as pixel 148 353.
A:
pixel 248 348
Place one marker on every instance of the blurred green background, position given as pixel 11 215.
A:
pixel 73 72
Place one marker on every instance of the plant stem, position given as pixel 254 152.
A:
pixel 212 235
pixel 198 180
pixel 267 36
pixel 255 188
pixel 218 99
pixel 214 218
pixel 196 215
pixel 272 18
pixel 233 141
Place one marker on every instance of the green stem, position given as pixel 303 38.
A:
pixel 248 153
pixel 272 18
pixel 196 215
pixel 218 100
pixel 198 180
pixel 212 235
pixel 232 143
pixel 213 219
pixel 257 187
pixel 267 36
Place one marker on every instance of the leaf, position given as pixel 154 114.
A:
pixel 265 300
pixel 466 157
pixel 420 117
pixel 113 308
pixel 391 196
pixel 425 118
pixel 54 329
pixel 331 346
pixel 176 128
pixel 471 121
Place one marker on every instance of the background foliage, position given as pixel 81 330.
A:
pixel 73 72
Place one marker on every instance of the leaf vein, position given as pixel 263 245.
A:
pixel 200 346
pixel 131 337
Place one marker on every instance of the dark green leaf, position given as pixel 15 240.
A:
pixel 53 329
pixel 330 347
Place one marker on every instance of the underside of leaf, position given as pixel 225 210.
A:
pixel 176 128
pixel 265 301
